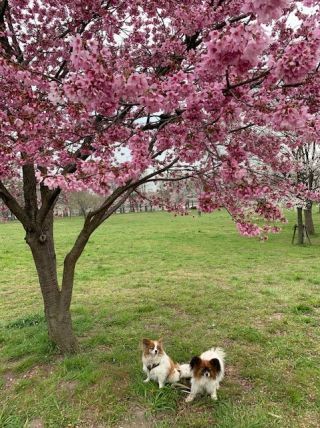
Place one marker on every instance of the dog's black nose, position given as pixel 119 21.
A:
pixel 156 351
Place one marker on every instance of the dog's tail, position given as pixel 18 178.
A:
pixel 220 353
pixel 185 371
pixel 182 387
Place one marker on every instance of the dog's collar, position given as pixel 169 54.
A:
pixel 153 366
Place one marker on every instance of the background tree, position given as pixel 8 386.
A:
pixel 304 178
pixel 83 201
pixel 308 155
pixel 109 95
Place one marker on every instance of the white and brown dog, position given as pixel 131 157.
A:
pixel 159 366
pixel 207 373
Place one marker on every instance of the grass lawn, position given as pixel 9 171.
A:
pixel 195 282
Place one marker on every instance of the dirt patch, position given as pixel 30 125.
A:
pixel 9 379
pixel 104 348
pixel 36 423
pixel 136 419
pixel 259 323
pixel 68 386
pixel 227 343
pixel 277 316
pixel 233 376
pixel 159 329
pixel 266 322
pixel 179 311
pixel 90 421
pixel 309 420
pixel 43 371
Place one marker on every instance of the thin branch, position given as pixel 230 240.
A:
pixel 106 204
pixel 62 70
pixel 222 24
pixel 114 208
pixel 185 177
pixel 246 82
pixel 159 171
pixel 164 120
pixel 292 85
pixel 242 128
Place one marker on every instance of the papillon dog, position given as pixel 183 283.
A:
pixel 207 373
pixel 159 366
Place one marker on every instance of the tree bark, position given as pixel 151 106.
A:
pixel 300 226
pixel 308 220
pixel 57 313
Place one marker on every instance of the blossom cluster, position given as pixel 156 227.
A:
pixel 98 95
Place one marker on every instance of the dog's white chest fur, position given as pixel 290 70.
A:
pixel 158 365
pixel 159 369
pixel 205 383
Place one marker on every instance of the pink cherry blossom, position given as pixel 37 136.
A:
pixel 109 96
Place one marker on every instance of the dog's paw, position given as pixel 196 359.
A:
pixel 146 380
pixel 214 397
pixel 189 398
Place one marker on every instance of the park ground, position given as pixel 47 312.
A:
pixel 195 282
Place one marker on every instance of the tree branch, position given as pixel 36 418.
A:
pixel 164 120
pixel 245 82
pixel 241 128
pixel 30 191
pixel 106 204
pixel 3 38
pixel 185 177
pixel 114 208
pixel 130 186
pixel 50 197
pixel 18 51
pixel 13 205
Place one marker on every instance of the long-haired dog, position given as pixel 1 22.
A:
pixel 207 373
pixel 159 366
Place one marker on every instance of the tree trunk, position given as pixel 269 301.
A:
pixel 300 226
pixel 61 332
pixel 308 220
pixel 57 313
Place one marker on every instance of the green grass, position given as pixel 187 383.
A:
pixel 193 281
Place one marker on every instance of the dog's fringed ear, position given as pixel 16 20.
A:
pixel 160 340
pixel 215 363
pixel 195 361
pixel 146 342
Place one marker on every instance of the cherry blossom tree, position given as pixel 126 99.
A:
pixel 108 95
